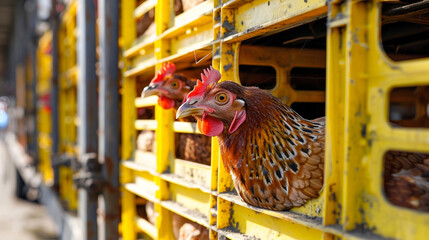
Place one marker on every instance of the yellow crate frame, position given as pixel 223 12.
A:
pixel 361 85
pixel 67 104
pixel 236 219
pixel 352 87
pixel 67 112
pixel 44 63
pixel 140 56
pixel 128 94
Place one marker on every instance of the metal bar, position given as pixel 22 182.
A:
pixel 34 79
pixel 15 61
pixel 108 115
pixel 31 13
pixel 87 111
pixel 54 94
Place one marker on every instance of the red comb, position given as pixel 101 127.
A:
pixel 166 69
pixel 210 76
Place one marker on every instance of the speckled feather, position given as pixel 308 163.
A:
pixel 406 179
pixel 194 148
pixel 276 157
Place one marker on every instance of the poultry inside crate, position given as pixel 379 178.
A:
pixel 171 88
pixel 274 156
pixel 183 228
pixel 146 139
pixel 406 179
pixel 406 174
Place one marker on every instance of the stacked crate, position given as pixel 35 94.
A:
pixel 361 80
pixel 67 119
pixel 67 112
pixel 44 62
pixel 150 177
pixel 237 37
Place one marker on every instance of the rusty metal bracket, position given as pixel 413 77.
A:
pixel 66 160
pixel 89 176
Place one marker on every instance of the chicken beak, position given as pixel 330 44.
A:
pixel 186 110
pixel 150 90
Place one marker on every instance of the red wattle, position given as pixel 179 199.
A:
pixel 165 102
pixel 210 126
pixel 239 118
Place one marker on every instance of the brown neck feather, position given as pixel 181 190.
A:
pixel 269 119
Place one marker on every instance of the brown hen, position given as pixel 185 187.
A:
pixel 171 88
pixel 406 179
pixel 146 138
pixel 275 157
pixel 185 229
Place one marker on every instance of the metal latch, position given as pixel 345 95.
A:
pixel 89 176
pixel 66 160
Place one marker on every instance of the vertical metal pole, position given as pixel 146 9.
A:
pixel 17 56
pixel 87 111
pixel 33 52
pixel 108 115
pixel 54 94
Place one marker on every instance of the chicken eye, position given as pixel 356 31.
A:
pixel 221 98
pixel 174 84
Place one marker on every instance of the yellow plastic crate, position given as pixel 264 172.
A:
pixel 44 62
pixel 363 83
pixel 67 78
pixel 359 78
pixel 67 104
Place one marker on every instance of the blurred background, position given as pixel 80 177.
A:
pixel 21 214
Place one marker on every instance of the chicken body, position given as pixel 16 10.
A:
pixel 184 229
pixel 146 139
pixel 279 164
pixel 406 179
pixel 274 156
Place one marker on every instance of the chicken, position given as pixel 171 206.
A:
pixel 146 139
pixel 171 88
pixel 406 179
pixel 150 212
pixel 188 4
pixel 184 229
pixel 274 156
